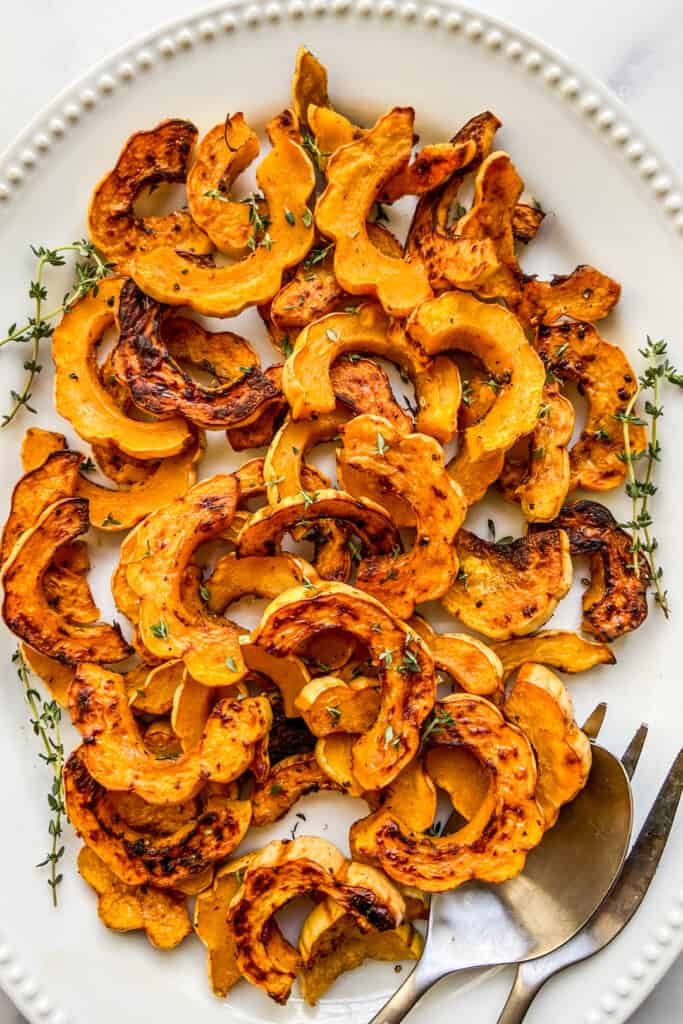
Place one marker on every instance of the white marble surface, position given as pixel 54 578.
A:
pixel 635 47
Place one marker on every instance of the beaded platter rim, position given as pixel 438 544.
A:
pixel 20 164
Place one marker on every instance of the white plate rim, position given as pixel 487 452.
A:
pixel 589 98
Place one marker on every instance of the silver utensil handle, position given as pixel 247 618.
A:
pixel 522 995
pixel 418 982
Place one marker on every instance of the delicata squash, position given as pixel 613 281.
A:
pixel 566 651
pixel 506 590
pixel 306 378
pixel 471 664
pixel 53 480
pixel 26 608
pixel 286 179
pixel 114 754
pixel 139 857
pixel 290 779
pixel 155 563
pixel 148 158
pixel 406 669
pixel 285 870
pixel 493 846
pixel 80 396
pixel 456 320
pixel 409 467
pixel 356 174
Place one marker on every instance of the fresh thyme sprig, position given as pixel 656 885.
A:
pixel 641 489
pixel 88 275
pixel 45 720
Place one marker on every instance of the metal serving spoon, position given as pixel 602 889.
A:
pixel 565 879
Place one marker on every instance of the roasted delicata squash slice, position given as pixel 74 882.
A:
pixel 309 84
pixel 221 156
pixel 80 396
pixel 409 467
pixel 356 174
pixel 616 599
pixel 138 857
pixel 258 576
pixel 114 754
pixel 457 772
pixel 223 354
pixel 331 944
pixel 541 707
pixel 124 908
pixel 56 676
pixel 576 352
pixel 456 320
pixel 148 158
pixel 210 912
pixel 585 294
pixel 506 590
pixel 153 694
pixel 328 704
pixel 290 779
pixel 159 386
pixel 284 870
pixel 429 169
pixel 471 664
pixel 155 564
pixel 26 608
pixel 306 377
pixel 559 648
pixel 286 179
pixel 544 477
pixel 526 221
pixel 190 712
pixel 53 480
pixel 406 669
pixel 493 845
pixel 37 445
pixel 66 587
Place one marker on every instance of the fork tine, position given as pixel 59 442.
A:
pixel 593 723
pixel 631 755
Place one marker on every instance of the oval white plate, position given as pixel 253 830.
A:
pixel 611 202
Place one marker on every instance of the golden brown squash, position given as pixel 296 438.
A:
pixel 406 669
pixel 306 378
pixel 56 676
pixel 290 779
pixel 192 705
pixel 66 587
pixel 564 650
pixel 409 467
pixel 456 320
pixel 80 396
pixel 474 476
pixel 334 755
pixel 155 563
pixel 331 130
pixel 526 220
pixel 138 857
pixel 506 590
pixel 616 599
pixel 577 353
pixel 114 754
pixel 355 176
pixel 327 705
pixel 53 480
pixel 331 944
pixel 585 294
pixel 471 664
pixel 286 179
pixel 223 354
pixel 309 83
pixel 26 609
pixel 37 445
pixel 429 169
pixel 158 385
pixel 224 152
pixel 261 576
pixel 210 911
pixel 284 870
pixel 124 908
pixel 541 707
pixel 147 159
pixel 153 694
pixel 493 845
pixel 461 775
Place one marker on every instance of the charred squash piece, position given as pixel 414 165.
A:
pixel 148 158
pixel 53 480
pixel 355 177
pixel 290 779
pixel 222 155
pixel 159 386
pixel 616 600
pixel 471 664
pixel 507 590
pixel 456 320
pixel 124 908
pixel 223 354
pixel 526 220
pixel 409 467
pixel 137 857
pixel 306 378
pixel 56 676
pixel 565 651
pixel 80 396
pixel 329 705
pixel 155 564
pixel 585 294
pixel 406 669
pixel 429 169
pixel 493 845
pixel 541 707
pixel 114 754
pixel 576 352
pixel 26 609
pixel 285 870
pixel 286 179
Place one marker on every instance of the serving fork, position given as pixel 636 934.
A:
pixel 529 916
